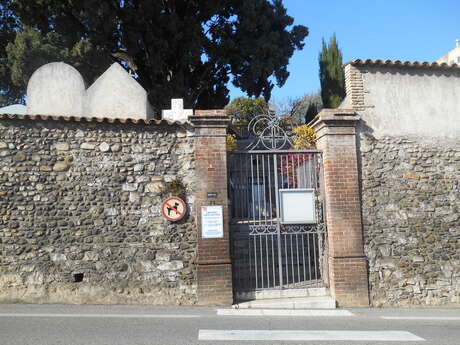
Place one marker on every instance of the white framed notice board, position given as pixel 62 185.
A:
pixel 297 206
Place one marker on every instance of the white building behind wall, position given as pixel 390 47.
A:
pixel 452 56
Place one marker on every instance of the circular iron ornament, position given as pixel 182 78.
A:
pixel 262 229
pixel 268 132
pixel 174 209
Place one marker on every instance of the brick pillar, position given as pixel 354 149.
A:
pixel 214 263
pixel 336 137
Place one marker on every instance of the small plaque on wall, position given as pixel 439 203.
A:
pixel 297 206
pixel 212 222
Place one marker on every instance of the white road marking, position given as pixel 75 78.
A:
pixel 122 316
pixel 441 318
pixel 288 335
pixel 282 312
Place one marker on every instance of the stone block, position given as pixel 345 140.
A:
pixel 163 256
pixel 171 265
pixel 58 257
pixel 138 167
pixel 60 166
pixel 111 211
pixel 134 197
pixel 116 147
pixel 62 146
pixel 130 187
pixel 145 266
pixel 91 256
pixel 116 94
pixel 55 89
pixel 153 187
pixel 104 147
pixel 87 146
pixel 20 157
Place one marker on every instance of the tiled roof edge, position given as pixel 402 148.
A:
pixel 399 63
pixel 89 119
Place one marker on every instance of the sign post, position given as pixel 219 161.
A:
pixel 174 209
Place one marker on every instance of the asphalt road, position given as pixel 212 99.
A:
pixel 135 325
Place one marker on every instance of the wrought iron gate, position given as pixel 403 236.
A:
pixel 267 252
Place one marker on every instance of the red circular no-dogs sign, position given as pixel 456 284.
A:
pixel 174 209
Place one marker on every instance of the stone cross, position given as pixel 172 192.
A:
pixel 177 111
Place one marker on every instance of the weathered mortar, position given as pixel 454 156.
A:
pixel 411 219
pixel 84 198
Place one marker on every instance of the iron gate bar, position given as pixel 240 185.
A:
pixel 278 226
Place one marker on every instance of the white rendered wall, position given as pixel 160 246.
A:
pixel 411 102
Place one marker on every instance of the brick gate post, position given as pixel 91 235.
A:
pixel 214 264
pixel 336 137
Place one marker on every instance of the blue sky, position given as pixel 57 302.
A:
pixel 413 30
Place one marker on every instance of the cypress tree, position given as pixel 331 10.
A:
pixel 331 74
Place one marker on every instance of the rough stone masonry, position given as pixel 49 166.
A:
pixel 411 217
pixel 80 218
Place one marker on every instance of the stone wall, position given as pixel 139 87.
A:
pixel 81 201
pixel 411 218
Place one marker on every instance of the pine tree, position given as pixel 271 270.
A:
pixel 331 74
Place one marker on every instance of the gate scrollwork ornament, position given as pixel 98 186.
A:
pixel 269 131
